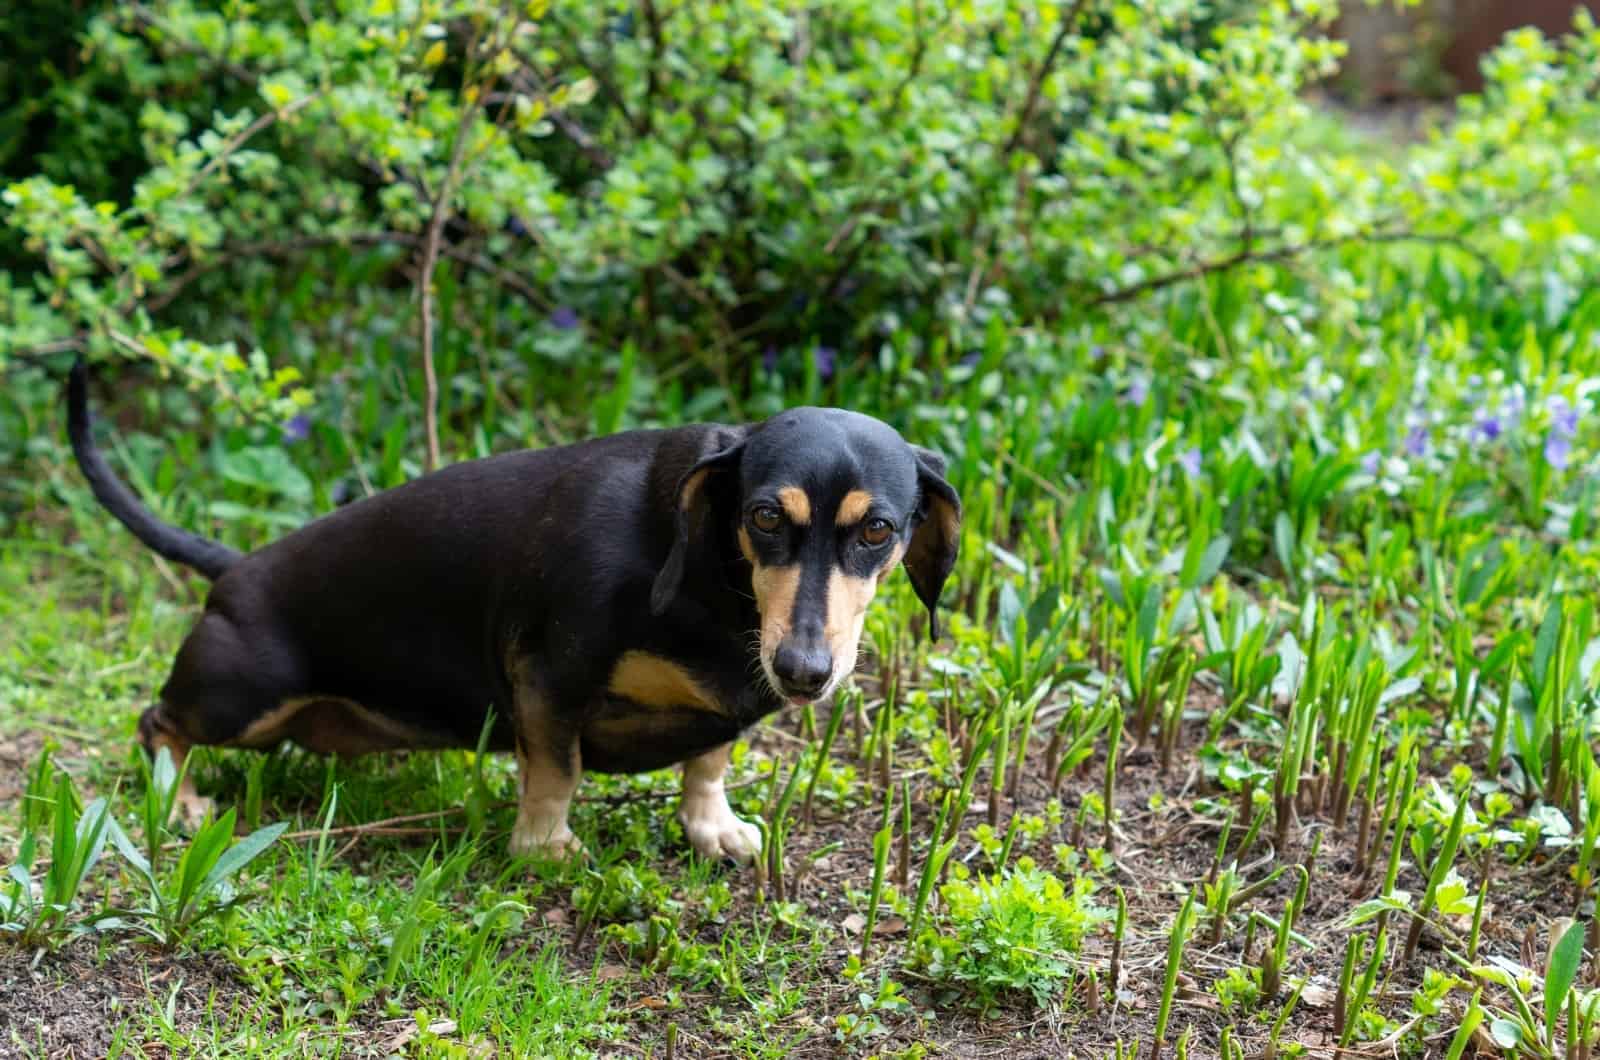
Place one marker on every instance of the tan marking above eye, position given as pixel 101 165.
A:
pixel 853 508
pixel 795 504
pixel 653 681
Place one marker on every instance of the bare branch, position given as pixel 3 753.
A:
pixel 1288 251
pixel 430 253
pixel 919 49
pixel 283 248
pixel 430 257
pixel 150 20
pixel 1030 103
pixel 603 73
pixel 533 81
pixel 652 89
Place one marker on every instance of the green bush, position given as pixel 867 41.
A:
pixel 1009 935
pixel 736 188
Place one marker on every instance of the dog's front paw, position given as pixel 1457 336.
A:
pixel 559 845
pixel 716 832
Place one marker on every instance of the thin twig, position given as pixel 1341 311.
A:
pixel 1293 250
pixel 242 137
pixel 919 49
pixel 1030 103
pixel 430 258
pixel 397 825
pixel 283 248
pixel 603 73
pixel 143 14
pixel 652 87
pixel 532 81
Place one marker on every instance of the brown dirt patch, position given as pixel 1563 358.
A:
pixel 73 1002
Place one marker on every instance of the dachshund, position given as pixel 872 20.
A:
pixel 619 605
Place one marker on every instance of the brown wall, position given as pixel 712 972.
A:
pixel 1397 54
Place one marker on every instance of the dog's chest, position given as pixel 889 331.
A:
pixel 657 712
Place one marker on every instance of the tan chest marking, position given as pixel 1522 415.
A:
pixel 653 681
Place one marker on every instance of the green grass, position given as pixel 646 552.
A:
pixel 1230 573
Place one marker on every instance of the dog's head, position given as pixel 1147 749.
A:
pixel 823 504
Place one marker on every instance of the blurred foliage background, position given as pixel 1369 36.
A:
pixel 289 234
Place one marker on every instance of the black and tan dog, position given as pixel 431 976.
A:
pixel 622 604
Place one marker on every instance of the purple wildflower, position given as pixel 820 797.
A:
pixel 769 359
pixel 823 357
pixel 1563 416
pixel 1189 460
pixel 971 360
pixel 1488 426
pixel 564 318
pixel 1513 405
pixel 1558 450
pixel 298 429
pixel 1417 441
pixel 1371 462
pixel 1138 391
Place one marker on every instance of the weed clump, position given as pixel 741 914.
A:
pixel 1009 935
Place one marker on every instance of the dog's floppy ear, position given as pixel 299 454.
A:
pixel 936 536
pixel 690 506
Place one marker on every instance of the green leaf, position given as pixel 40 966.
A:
pixel 1506 1033
pixel 1544 646
pixel 242 853
pixel 1010 608
pixel 1563 969
pixel 266 468
pixel 1216 555
pixel 197 860
pixel 1283 542
pixel 1042 610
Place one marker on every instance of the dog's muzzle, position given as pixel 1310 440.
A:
pixel 803 671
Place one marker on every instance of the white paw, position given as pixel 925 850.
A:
pixel 716 832
pixel 559 844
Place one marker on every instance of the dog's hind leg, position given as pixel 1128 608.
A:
pixel 158 730
pixel 549 767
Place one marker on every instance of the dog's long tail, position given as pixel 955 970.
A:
pixel 208 557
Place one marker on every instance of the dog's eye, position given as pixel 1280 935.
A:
pixel 876 532
pixel 767 519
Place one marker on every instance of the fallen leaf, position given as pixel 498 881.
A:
pixel 892 926
pixel 853 924
pixel 1317 996
pixel 442 1027
pixel 400 1039
pixel 554 915
pixel 609 972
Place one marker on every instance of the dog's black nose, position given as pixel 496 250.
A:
pixel 802 672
